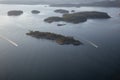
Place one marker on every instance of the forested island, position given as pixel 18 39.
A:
pixel 15 13
pixel 35 12
pixel 60 39
pixel 63 11
pixel 78 17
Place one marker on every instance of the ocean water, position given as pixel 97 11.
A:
pixel 36 59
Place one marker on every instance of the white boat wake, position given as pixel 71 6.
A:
pixel 90 42
pixel 93 44
pixel 10 41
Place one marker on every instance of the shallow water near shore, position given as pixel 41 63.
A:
pixel 36 59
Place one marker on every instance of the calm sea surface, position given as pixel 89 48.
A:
pixel 36 59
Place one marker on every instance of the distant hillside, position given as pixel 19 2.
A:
pixel 108 3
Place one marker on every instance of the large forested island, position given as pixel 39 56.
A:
pixel 78 17
pixel 60 39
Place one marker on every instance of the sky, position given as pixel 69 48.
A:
pixel 49 1
pixel 53 1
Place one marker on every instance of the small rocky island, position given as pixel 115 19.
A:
pixel 60 39
pixel 15 13
pixel 61 24
pixel 35 12
pixel 63 11
pixel 78 17
pixel 72 10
